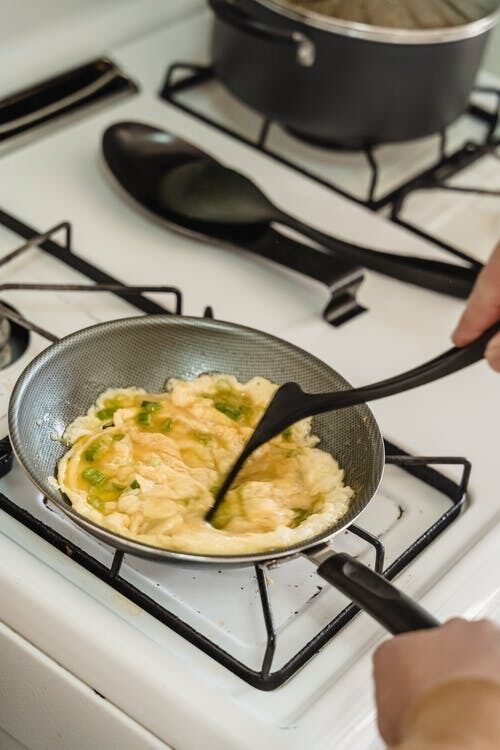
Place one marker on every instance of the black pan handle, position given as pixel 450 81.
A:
pixel 374 594
pixel 232 15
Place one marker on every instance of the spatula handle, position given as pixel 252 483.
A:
pixel 290 403
pixel 446 278
pixel 451 361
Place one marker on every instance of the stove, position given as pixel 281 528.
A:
pixel 166 656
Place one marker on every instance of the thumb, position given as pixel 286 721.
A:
pixel 483 307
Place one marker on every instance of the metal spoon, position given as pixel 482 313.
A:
pixel 291 404
pixel 204 191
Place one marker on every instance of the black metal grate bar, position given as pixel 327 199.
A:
pixel 133 294
pixel 64 254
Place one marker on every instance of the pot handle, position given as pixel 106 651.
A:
pixel 372 592
pixel 230 14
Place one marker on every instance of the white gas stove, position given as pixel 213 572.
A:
pixel 99 651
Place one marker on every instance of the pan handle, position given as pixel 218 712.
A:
pixel 372 592
pixel 232 15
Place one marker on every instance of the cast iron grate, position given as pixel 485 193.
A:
pixel 264 678
pixel 184 76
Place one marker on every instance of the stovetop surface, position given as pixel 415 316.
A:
pixel 61 177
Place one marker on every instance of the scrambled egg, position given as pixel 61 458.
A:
pixel 147 465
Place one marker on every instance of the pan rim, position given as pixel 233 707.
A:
pixel 148 551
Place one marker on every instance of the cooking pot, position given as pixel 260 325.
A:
pixel 350 83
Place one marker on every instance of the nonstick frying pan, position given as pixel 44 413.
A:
pixel 64 380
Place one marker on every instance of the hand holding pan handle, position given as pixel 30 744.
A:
pixel 371 591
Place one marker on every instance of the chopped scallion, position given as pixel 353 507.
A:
pixel 94 476
pixel 202 437
pixel 105 414
pixel 233 412
pixel 300 515
pixel 96 502
pixel 144 418
pixel 166 425
pixel 150 406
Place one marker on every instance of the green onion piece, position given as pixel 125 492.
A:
pixel 118 436
pixel 299 515
pixel 144 418
pixel 236 412
pixel 94 476
pixel 287 434
pixel 91 453
pixel 150 406
pixel 202 437
pixel 135 485
pixel 233 412
pixel 166 425
pixel 97 503
pixel 105 414
pixel 224 384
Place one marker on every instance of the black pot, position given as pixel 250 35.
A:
pixel 342 83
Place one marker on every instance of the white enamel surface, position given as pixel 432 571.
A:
pixel 42 705
pixel 7 742
pixel 39 40
pixel 146 671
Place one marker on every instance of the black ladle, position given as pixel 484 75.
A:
pixel 290 404
pixel 206 192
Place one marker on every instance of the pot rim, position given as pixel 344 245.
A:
pixel 385 34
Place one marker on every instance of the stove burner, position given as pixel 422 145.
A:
pixel 14 339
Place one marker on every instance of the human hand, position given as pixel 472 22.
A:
pixel 410 665
pixel 483 310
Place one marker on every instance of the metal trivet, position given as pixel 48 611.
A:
pixel 263 678
pixel 182 77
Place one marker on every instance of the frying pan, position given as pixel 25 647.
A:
pixel 65 379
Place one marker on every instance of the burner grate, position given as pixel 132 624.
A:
pixel 182 77
pixel 265 677
pixel 104 282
